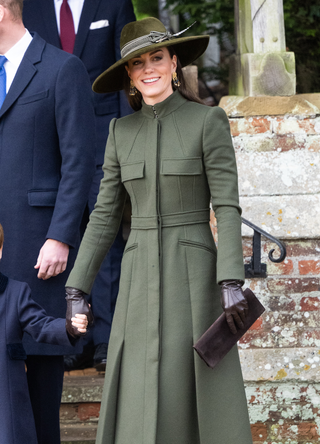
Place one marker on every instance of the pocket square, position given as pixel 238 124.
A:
pixel 99 24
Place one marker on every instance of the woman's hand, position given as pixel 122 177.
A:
pixel 234 304
pixel 76 303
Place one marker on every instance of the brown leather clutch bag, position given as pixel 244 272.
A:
pixel 218 340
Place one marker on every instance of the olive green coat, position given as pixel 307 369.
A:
pixel 170 158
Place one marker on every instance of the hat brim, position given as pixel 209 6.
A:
pixel 187 49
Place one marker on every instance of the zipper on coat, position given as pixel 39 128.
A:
pixel 158 155
pixel 159 230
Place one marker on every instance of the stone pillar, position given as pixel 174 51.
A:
pixel 212 57
pixel 261 65
pixel 277 144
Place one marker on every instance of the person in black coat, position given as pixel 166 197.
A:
pixel 97 43
pixel 47 162
pixel 19 313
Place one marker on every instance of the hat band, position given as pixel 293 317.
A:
pixel 144 41
pixel 147 40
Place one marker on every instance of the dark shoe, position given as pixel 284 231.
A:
pixel 100 357
pixel 79 362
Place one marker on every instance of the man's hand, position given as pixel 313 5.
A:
pixel 52 259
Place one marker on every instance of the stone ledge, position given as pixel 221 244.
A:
pixel 303 105
pixel 76 441
pixel 78 433
pixel 78 389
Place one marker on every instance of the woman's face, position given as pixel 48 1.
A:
pixel 151 74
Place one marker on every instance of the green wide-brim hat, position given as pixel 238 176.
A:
pixel 143 36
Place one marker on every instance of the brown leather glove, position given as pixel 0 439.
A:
pixel 234 304
pixel 76 303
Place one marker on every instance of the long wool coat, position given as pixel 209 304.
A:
pixel 171 158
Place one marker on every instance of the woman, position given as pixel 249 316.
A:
pixel 170 156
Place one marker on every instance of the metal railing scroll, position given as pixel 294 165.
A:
pixel 255 268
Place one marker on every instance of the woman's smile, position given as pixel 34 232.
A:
pixel 153 80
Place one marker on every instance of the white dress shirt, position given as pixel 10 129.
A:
pixel 14 57
pixel 76 9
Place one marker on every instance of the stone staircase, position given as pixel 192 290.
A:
pixel 80 406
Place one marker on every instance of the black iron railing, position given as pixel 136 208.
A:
pixel 255 268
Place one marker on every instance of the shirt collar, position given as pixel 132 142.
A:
pixel 16 53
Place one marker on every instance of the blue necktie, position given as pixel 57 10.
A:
pixel 3 80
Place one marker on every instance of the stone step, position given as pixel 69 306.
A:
pixel 78 434
pixel 80 406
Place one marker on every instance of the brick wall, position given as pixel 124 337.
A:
pixel 279 182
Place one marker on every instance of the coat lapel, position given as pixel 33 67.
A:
pixel 25 72
pixel 88 13
pixel 49 18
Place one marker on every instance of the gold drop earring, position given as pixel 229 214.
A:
pixel 175 80
pixel 133 89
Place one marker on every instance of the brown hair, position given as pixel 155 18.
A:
pixel 136 101
pixel 1 236
pixel 15 7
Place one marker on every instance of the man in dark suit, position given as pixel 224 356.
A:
pixel 47 143
pixel 95 31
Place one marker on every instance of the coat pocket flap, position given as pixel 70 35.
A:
pixel 41 198
pixel 16 352
pixel 131 171
pixel 184 167
pixel 33 97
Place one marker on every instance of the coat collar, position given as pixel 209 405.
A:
pixel 162 109
pixel 25 73
pixel 3 282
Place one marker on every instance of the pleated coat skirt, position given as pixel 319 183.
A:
pixel 171 158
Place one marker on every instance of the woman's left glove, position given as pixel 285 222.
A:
pixel 234 304
pixel 76 303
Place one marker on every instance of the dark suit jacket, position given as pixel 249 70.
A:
pixel 19 313
pixel 46 166
pixel 97 48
